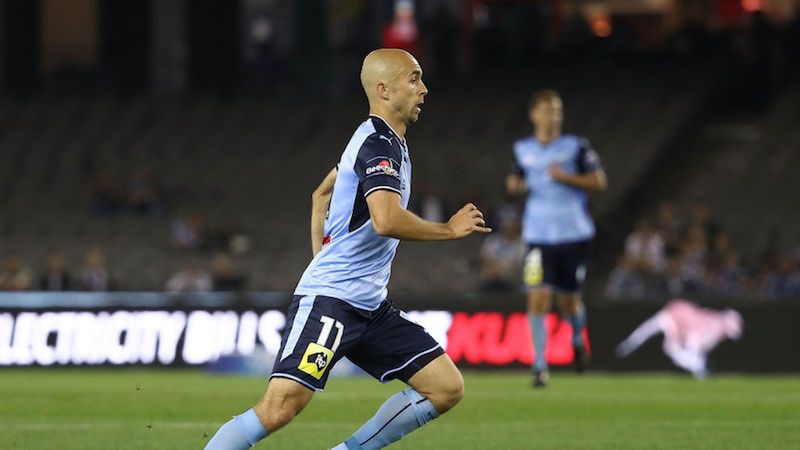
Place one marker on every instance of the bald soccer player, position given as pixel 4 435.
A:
pixel 340 307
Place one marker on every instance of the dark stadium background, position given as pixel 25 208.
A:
pixel 154 145
pixel 157 159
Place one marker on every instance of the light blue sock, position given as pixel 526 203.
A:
pixel 403 413
pixel 578 321
pixel 539 334
pixel 239 433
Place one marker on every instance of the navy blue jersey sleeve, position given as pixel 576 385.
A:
pixel 516 168
pixel 378 165
pixel 588 159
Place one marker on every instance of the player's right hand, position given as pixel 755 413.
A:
pixel 466 221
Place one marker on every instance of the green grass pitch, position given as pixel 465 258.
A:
pixel 151 409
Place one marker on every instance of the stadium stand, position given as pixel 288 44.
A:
pixel 741 164
pixel 56 148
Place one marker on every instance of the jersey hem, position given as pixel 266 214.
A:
pixel 381 188
pixel 299 380
pixel 412 359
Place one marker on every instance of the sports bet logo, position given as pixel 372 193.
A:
pixel 384 166
pixel 315 360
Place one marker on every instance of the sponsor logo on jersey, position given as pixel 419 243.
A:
pixel 315 360
pixel 384 166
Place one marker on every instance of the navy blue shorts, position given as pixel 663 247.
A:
pixel 321 330
pixel 560 266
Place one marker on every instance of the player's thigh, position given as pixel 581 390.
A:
pixel 570 266
pixel 320 331
pixel 570 302
pixel 539 275
pixel 540 300
pixel 394 346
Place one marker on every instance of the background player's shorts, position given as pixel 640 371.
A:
pixel 321 330
pixel 561 266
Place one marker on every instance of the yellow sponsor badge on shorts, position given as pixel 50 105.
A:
pixel 533 270
pixel 315 360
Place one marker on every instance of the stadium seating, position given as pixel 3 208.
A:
pixel 258 158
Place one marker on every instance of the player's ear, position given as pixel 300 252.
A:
pixel 383 90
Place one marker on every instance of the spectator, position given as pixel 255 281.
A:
pixel 431 207
pixel 721 249
pixel 625 281
pixel 194 278
pixel 230 237
pixel 94 275
pixel 402 31
pixel 55 276
pixel 672 284
pixel 501 257
pixel 784 282
pixel 14 276
pixel 509 210
pixel 668 227
pixel 701 216
pixel 223 275
pixel 693 258
pixel 188 232
pixel 733 276
pixel 644 248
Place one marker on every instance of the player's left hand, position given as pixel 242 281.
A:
pixel 556 172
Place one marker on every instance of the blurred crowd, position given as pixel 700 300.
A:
pixel 677 253
pixel 57 273
pixel 686 253
pixel 211 249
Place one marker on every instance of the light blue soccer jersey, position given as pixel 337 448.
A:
pixel 555 213
pixel 355 263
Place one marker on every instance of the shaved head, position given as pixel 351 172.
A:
pixel 392 80
pixel 384 66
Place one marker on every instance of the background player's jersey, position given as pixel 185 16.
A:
pixel 355 263
pixel 555 213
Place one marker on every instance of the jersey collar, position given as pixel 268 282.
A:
pixel 389 127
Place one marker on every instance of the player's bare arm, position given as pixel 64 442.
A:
pixel 515 185
pixel 320 200
pixel 592 181
pixel 389 218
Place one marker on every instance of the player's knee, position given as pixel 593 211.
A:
pixel 539 301
pixel 275 414
pixel 276 409
pixel 448 394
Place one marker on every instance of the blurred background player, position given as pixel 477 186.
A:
pixel 555 171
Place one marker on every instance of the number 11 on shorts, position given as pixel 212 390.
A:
pixel 327 325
